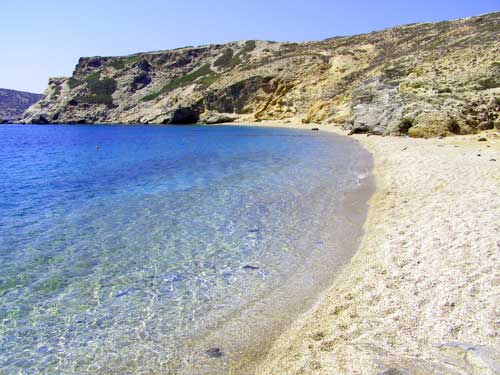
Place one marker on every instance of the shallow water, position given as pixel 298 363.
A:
pixel 135 249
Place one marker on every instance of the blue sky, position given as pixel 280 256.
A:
pixel 40 39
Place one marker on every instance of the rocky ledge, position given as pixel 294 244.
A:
pixel 424 80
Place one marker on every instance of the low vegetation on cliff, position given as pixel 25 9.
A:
pixel 424 80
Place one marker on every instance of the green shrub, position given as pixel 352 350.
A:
pixel 225 59
pixel 101 90
pixel 97 86
pixel 235 60
pixel 105 86
pixel 203 71
pixel 208 80
pixel 93 77
pixel 228 60
pixel 249 46
pixel 182 81
pixel 152 96
pixel 117 64
pixel 96 99
pixel 131 59
pixel 73 82
pixel 100 99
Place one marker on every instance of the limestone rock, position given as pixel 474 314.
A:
pixel 377 108
pixel 433 124
pixel 216 118
pixel 425 80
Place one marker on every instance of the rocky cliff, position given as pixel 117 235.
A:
pixel 14 103
pixel 427 79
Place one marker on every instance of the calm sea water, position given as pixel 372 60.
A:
pixel 135 249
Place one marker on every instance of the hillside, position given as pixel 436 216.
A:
pixel 14 103
pixel 427 79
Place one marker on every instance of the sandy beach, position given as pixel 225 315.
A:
pixel 421 295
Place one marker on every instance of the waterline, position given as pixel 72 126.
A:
pixel 141 255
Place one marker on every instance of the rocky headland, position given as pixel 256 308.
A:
pixel 424 80
pixel 13 104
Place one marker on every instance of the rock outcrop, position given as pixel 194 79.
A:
pixel 424 80
pixel 13 103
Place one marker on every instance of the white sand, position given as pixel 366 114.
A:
pixel 422 293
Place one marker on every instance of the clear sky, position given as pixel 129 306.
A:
pixel 44 38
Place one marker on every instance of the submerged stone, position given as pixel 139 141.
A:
pixel 250 267
pixel 394 371
pixel 215 352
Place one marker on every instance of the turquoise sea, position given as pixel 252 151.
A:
pixel 164 249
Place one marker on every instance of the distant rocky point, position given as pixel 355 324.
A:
pixel 424 80
pixel 14 103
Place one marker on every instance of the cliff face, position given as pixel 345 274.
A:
pixel 14 103
pixel 423 80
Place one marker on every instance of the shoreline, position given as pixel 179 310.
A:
pixel 420 294
pixel 272 314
